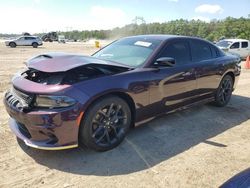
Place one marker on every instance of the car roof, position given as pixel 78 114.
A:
pixel 236 40
pixel 28 36
pixel 163 37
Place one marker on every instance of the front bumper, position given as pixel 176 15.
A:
pixel 46 129
pixel 14 126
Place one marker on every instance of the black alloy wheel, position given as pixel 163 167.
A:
pixel 224 92
pixel 106 124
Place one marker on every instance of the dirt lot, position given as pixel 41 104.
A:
pixel 199 147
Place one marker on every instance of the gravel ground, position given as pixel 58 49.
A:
pixel 199 147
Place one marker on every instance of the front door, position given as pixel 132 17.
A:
pixel 174 86
pixel 235 48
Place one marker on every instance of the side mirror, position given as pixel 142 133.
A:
pixel 165 62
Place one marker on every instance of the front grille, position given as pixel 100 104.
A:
pixel 27 98
pixel 19 99
pixel 23 130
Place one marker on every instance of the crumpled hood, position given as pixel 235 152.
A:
pixel 61 62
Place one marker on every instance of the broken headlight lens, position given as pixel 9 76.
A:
pixel 51 101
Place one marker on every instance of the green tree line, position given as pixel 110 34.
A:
pixel 213 30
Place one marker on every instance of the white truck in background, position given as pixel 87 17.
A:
pixel 240 47
pixel 61 39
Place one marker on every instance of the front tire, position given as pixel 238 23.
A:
pixel 224 91
pixel 105 124
pixel 12 45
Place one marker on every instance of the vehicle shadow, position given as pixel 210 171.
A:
pixel 151 143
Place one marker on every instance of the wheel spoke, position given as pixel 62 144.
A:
pixel 220 92
pixel 98 122
pixel 225 84
pixel 117 110
pixel 99 129
pixel 102 113
pixel 110 109
pixel 120 117
pixel 223 97
pixel 114 128
pixel 107 136
pixel 101 137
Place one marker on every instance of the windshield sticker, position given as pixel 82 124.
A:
pixel 142 43
pixel 107 55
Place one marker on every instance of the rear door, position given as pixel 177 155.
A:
pixel 206 58
pixel 173 87
pixel 28 41
pixel 245 49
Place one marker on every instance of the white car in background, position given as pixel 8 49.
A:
pixel 240 47
pixel 25 41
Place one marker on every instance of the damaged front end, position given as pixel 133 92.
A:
pixel 71 76
pixel 44 107
pixel 38 84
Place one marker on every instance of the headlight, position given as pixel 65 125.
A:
pixel 53 101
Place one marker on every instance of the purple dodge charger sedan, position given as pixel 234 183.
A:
pixel 62 100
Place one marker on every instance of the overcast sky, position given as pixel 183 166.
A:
pixel 17 16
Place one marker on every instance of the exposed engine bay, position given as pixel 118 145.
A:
pixel 72 76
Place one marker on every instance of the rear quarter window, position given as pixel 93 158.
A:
pixel 214 51
pixel 244 44
pixel 202 51
pixel 30 38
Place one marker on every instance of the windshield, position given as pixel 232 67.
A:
pixel 129 51
pixel 224 43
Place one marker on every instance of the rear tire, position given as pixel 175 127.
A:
pixel 12 45
pixel 105 124
pixel 224 91
pixel 35 45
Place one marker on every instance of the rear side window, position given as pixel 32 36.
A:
pixel 244 44
pixel 235 45
pixel 179 51
pixel 30 38
pixel 214 51
pixel 202 51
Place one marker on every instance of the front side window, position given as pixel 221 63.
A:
pixel 179 51
pixel 244 44
pixel 21 38
pixel 235 45
pixel 129 51
pixel 200 50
